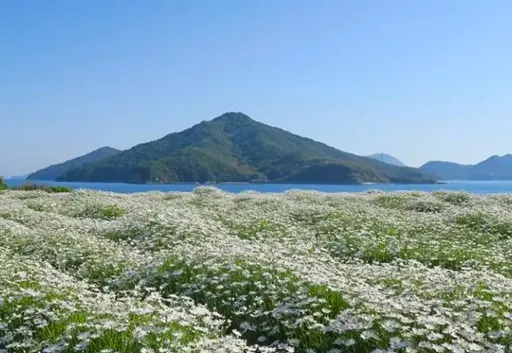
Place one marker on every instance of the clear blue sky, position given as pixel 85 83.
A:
pixel 422 80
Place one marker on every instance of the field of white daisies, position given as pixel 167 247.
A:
pixel 210 271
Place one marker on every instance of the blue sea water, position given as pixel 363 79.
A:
pixel 479 187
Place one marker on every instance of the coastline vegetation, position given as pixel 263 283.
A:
pixel 34 187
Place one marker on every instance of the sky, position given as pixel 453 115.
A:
pixel 422 80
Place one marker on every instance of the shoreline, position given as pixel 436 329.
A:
pixel 26 181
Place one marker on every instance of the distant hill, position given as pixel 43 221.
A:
pixel 17 177
pixel 387 158
pixel 54 171
pixel 447 170
pixel 493 168
pixel 236 148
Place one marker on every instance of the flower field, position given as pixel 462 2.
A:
pixel 210 271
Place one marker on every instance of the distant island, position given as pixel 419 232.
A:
pixel 493 168
pixel 387 158
pixel 17 177
pixel 54 171
pixel 234 148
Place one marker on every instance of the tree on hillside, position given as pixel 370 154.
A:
pixel 3 186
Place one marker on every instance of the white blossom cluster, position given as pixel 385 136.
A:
pixel 300 271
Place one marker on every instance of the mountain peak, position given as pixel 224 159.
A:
pixel 495 159
pixel 233 116
pixel 386 158
pixel 106 149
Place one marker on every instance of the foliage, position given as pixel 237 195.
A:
pixel 210 271
pixel 3 186
pixel 454 198
pixel 235 148
pixel 52 172
pixel 45 188
pixel 96 211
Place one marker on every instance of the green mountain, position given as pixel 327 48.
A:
pixel 235 148
pixel 54 171
pixel 387 158
pixel 493 168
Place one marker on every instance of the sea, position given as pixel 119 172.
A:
pixel 478 187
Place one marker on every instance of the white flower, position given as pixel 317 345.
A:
pixel 139 333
